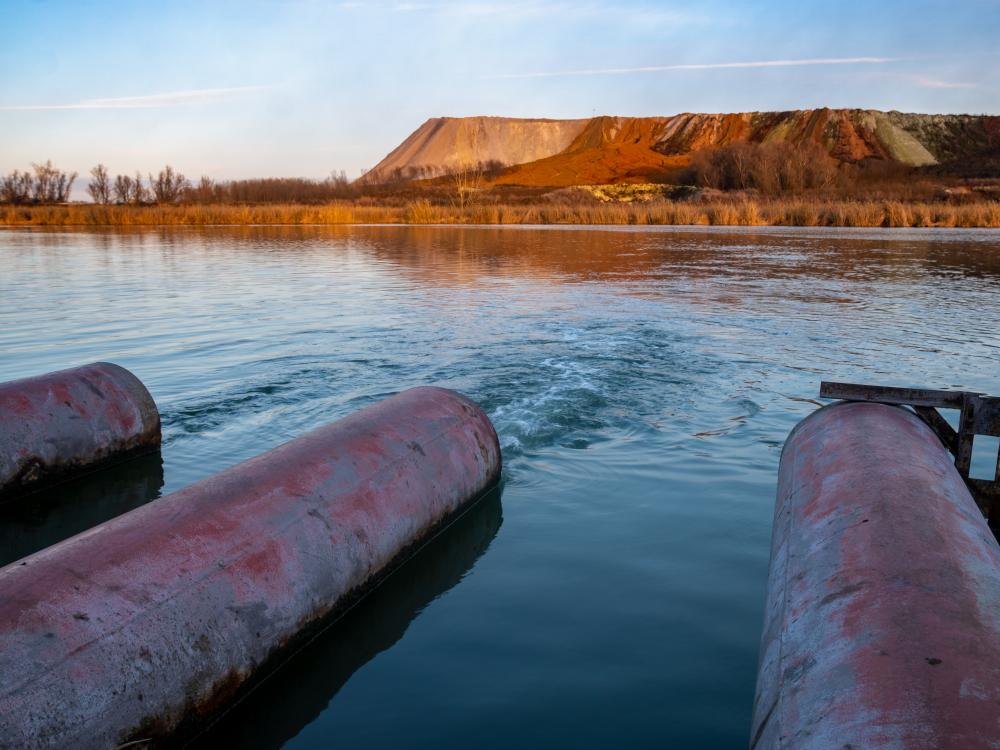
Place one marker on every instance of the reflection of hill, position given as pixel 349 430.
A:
pixel 448 255
pixel 303 687
pixel 42 519
pixel 462 255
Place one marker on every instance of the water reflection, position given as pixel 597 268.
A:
pixel 642 382
pixel 44 518
pixel 446 255
pixel 295 695
pixel 457 255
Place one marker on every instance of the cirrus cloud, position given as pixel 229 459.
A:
pixel 703 66
pixel 146 101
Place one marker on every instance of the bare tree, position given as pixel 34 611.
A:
pixel 16 187
pixel 337 185
pixel 140 194
pixel 205 191
pixel 100 184
pixel 51 185
pixel 171 187
pixel 65 184
pixel 468 177
pixel 42 185
pixel 771 168
pixel 168 185
pixel 466 182
pixel 273 190
pixel 122 189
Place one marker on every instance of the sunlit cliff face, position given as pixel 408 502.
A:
pixel 616 149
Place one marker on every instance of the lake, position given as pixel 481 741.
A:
pixel 641 380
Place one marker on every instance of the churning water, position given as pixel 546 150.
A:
pixel 641 380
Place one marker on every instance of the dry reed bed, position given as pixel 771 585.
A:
pixel 727 213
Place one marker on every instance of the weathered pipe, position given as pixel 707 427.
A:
pixel 57 426
pixel 302 689
pixel 145 626
pixel 32 523
pixel 883 608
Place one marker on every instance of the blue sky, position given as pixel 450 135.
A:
pixel 303 87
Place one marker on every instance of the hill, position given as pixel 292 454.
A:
pixel 443 144
pixel 601 150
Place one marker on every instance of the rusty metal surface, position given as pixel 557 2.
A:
pixel 884 394
pixel 57 426
pixel 945 432
pixel 301 691
pixel 883 607
pixel 156 618
pixel 979 415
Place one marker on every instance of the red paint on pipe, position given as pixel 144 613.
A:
pixel 157 617
pixel 883 609
pixel 57 426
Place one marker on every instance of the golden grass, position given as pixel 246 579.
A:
pixel 744 212
pixel 196 215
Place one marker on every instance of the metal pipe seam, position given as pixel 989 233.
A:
pixel 60 425
pixel 145 626
pixel 883 606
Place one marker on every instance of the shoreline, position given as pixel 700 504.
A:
pixel 741 212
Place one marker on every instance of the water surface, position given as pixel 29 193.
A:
pixel 641 380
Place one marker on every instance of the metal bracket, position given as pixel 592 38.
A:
pixel 980 415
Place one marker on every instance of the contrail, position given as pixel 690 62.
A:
pixel 704 66
pixel 169 99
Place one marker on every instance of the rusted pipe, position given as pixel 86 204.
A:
pixel 32 523
pixel 883 605
pixel 60 425
pixel 145 626
pixel 298 693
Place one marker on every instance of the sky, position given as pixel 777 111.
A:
pixel 305 88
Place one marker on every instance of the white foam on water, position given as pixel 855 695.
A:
pixel 559 390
